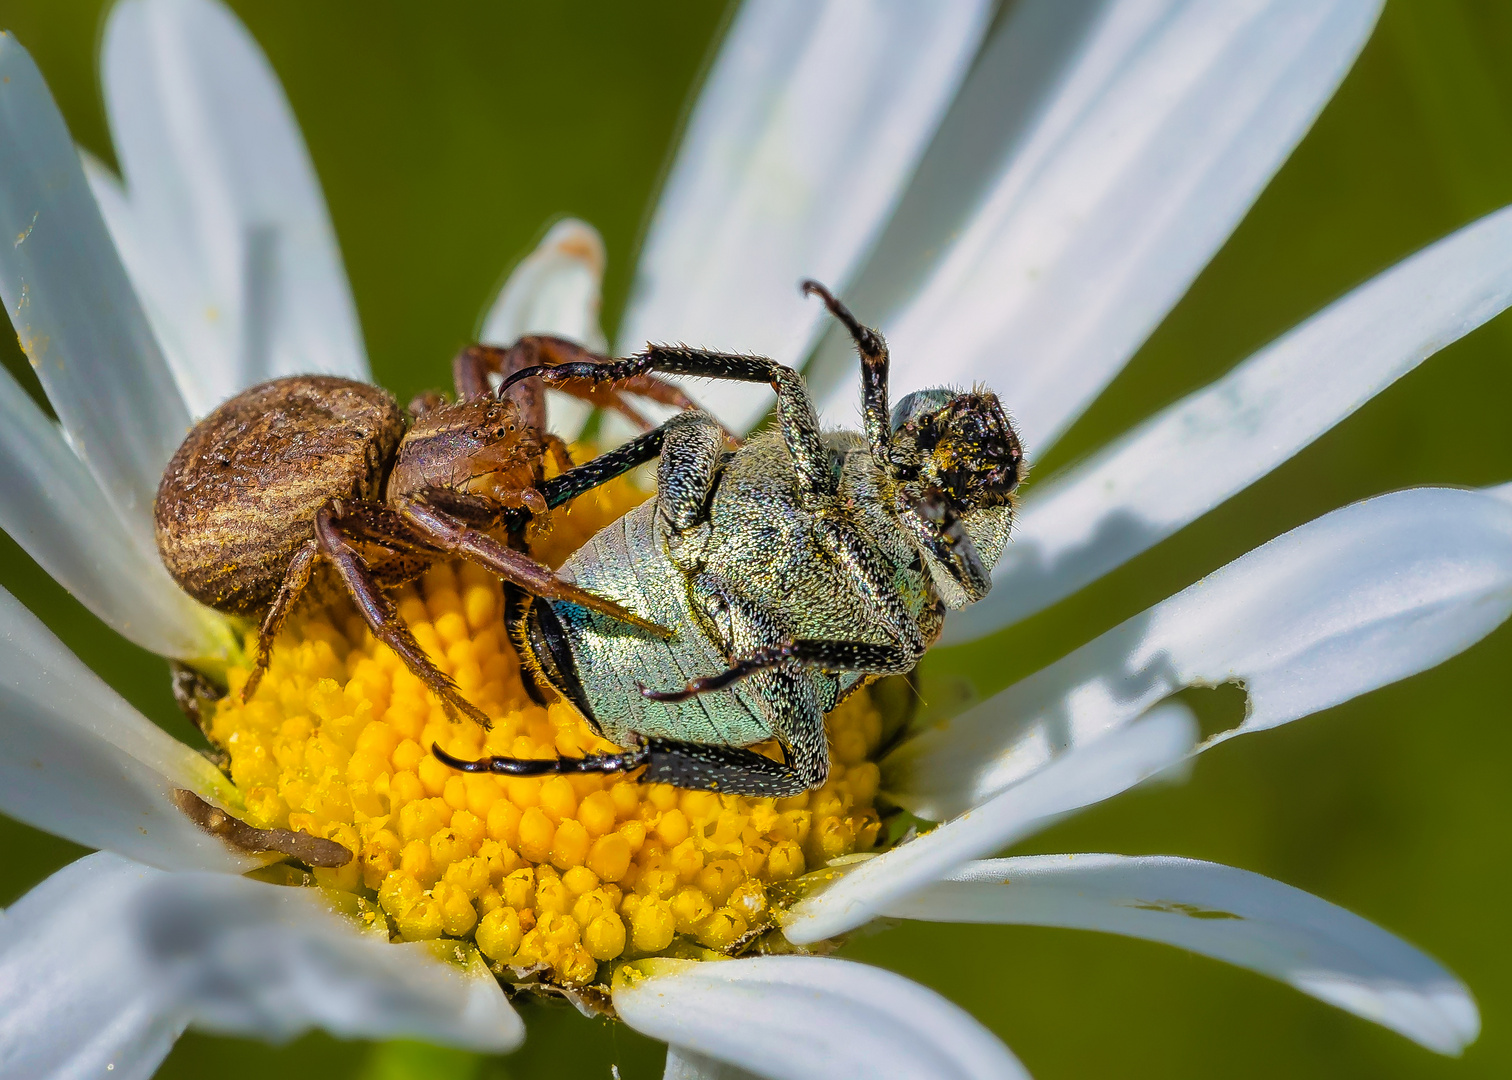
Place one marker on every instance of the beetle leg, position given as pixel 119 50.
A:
pixel 574 482
pixel 474 364
pixel 938 527
pixel 873 351
pixel 864 656
pixel 452 536
pixel 696 766
pixel 690 460
pixel 296 578
pixel 817 482
pixel 380 615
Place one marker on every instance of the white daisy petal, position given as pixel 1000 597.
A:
pixel 1228 914
pixel 78 761
pixel 106 962
pixel 685 1064
pixel 803 1017
pixel 810 124
pixel 223 229
pixel 555 290
pixel 1080 777
pixel 1354 600
pixel 73 1001
pixel 1169 122
pixel 53 508
pixel 73 308
pixel 1183 462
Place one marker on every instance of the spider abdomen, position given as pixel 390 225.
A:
pixel 239 497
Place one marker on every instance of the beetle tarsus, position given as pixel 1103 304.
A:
pixel 509 766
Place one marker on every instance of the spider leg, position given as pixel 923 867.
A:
pixel 455 537
pixel 296 578
pixel 335 544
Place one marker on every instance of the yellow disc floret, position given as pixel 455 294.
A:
pixel 548 876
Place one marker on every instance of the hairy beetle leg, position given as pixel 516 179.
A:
pixel 831 655
pixel 508 766
pixel 474 364
pixel 693 766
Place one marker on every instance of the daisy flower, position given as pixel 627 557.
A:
pixel 1016 201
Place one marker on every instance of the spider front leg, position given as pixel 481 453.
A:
pixel 455 537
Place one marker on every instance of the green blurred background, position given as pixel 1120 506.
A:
pixel 448 136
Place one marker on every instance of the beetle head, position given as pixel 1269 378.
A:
pixel 959 444
pixel 960 448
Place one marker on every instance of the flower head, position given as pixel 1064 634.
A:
pixel 1024 235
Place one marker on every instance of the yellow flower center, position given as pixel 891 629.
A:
pixel 550 877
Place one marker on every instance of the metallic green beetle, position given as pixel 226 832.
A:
pixel 788 571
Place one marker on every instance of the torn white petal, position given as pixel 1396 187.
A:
pixel 78 761
pixel 1189 458
pixel 1354 600
pixel 799 1017
pixel 54 508
pixel 223 226
pixel 106 962
pixel 554 290
pixel 1169 121
pixel 809 125
pixel 74 309
pixel 1219 911
pixel 1080 777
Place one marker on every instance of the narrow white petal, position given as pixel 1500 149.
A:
pixel 53 508
pixel 1354 600
pixel 78 761
pixel 689 1065
pixel 810 124
pixel 223 228
pixel 1184 461
pixel 107 961
pixel 1080 777
pixel 554 290
pixel 1169 122
pixel 804 1017
pixel 73 307
pixel 1228 914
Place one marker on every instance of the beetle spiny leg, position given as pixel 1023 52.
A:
pixel 509 766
